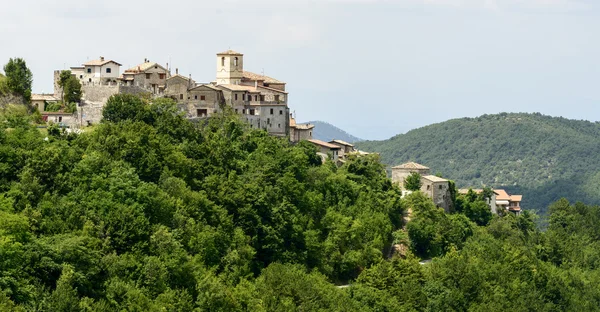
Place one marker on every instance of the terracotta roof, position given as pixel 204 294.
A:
pixel 516 198
pixel 207 85
pixel 266 79
pixel 341 142
pixel 142 67
pixel 233 87
pixel 433 178
pixel 43 97
pixel 230 52
pixel 324 144
pixel 303 126
pixel 99 62
pixel 410 165
pixel 502 195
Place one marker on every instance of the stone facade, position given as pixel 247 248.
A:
pixel 260 100
pixel 438 189
pixel 401 172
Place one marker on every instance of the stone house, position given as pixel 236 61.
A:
pixel 299 132
pixel 401 172
pixel 326 150
pixel 438 189
pixel 148 75
pixel 345 147
pixel 61 118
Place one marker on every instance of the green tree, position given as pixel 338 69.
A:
pixel 18 78
pixel 71 87
pixel 413 182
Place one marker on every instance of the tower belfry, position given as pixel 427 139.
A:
pixel 230 67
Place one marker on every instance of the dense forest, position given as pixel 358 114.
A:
pixel 325 131
pixel 148 211
pixel 544 158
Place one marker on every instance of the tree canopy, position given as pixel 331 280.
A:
pixel 151 212
pixel 18 78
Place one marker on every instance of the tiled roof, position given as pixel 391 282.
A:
pixel 230 52
pixel 99 62
pixel 234 87
pixel 341 142
pixel 303 126
pixel 178 76
pixel 142 67
pixel 433 178
pixel 516 198
pixel 410 165
pixel 43 97
pixel 207 85
pixel 324 144
pixel 502 195
pixel 252 76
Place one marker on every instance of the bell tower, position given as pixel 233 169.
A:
pixel 230 67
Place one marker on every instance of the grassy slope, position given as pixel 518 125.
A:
pixel 544 158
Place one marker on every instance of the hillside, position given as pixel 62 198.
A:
pixel 326 132
pixel 544 158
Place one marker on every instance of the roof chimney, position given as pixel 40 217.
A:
pixel 102 58
pixel 145 60
pixel 176 71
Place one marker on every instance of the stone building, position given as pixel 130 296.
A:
pixel 401 172
pixel 260 100
pixel 299 132
pixel 326 150
pixel 345 147
pixel 150 76
pixel 438 189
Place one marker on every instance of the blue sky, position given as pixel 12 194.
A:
pixel 374 68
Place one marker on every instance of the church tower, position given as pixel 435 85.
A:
pixel 230 67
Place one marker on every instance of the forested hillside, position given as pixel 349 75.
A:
pixel 326 132
pixel 544 158
pixel 150 212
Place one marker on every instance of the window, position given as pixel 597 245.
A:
pixel 268 121
pixel 251 111
pixel 223 61
pixel 280 112
pixel 271 111
pixel 428 186
pixel 203 112
pixel 147 76
pixel 89 79
pixel 235 96
pixel 236 110
pixel 59 118
pixel 440 186
pixel 278 125
pixel 235 61
pixel 195 97
pixel 277 98
pixel 108 70
pixel 80 76
pixel 203 98
pixel 161 76
pixel 181 96
pixel 262 98
pixel 256 97
pixel 89 70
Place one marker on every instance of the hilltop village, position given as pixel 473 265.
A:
pixel 260 100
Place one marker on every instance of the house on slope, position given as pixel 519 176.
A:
pixel 326 149
pixel 500 200
pixel 438 189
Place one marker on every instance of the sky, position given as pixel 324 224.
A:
pixel 375 68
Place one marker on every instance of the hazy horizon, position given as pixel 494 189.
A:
pixel 373 68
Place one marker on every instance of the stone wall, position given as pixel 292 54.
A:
pixel 438 191
pixel 399 174
pixel 98 94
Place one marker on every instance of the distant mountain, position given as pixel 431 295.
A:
pixel 544 158
pixel 325 131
